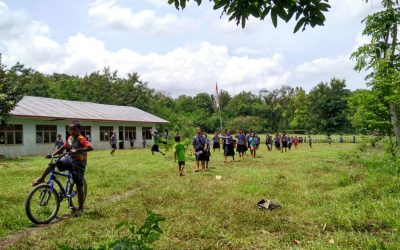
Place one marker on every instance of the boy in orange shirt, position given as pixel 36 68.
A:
pixel 75 162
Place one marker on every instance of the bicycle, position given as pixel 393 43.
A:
pixel 43 202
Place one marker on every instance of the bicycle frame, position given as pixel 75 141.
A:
pixel 53 178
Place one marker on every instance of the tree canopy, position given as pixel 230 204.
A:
pixel 322 110
pixel 305 12
pixel 382 58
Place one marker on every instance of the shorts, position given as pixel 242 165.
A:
pixel 216 145
pixel 114 146
pixel 241 148
pixel 154 148
pixel 181 163
pixel 284 144
pixel 253 148
pixel 76 168
pixel 200 155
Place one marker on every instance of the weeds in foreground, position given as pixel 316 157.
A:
pixel 132 238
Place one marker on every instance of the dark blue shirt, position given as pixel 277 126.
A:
pixel 241 139
pixel 228 138
pixel 199 142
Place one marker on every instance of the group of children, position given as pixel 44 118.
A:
pixel 78 147
pixel 241 141
pixel 202 145
pixel 284 142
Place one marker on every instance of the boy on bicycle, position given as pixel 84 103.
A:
pixel 75 162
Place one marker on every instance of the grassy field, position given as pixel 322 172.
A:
pixel 327 202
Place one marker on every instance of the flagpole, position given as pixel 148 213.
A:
pixel 220 117
pixel 219 107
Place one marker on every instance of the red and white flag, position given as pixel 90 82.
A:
pixel 216 96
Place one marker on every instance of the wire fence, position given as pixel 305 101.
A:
pixel 334 139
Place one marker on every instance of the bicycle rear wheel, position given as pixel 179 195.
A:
pixel 73 195
pixel 42 204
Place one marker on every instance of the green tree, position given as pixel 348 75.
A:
pixel 305 12
pixel 328 106
pixel 244 104
pixel 368 114
pixel 301 106
pixel 10 93
pixel 278 107
pixel 381 57
pixel 203 101
pixel 246 122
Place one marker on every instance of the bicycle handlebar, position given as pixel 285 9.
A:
pixel 57 156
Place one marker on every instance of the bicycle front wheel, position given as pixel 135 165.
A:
pixel 73 195
pixel 42 204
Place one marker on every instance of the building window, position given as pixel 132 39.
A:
pixel 11 134
pixel 146 133
pixel 46 133
pixel 86 131
pixel 106 132
pixel 130 132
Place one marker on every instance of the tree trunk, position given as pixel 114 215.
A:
pixel 395 122
pixel 393 113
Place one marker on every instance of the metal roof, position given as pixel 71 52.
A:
pixel 40 107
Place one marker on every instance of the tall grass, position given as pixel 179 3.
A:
pixel 328 201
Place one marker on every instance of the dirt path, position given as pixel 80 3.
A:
pixel 8 241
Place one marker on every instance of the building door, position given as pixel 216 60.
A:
pixel 121 138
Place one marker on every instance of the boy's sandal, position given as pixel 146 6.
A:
pixel 36 182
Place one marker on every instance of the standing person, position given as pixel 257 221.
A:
pixel 329 138
pixel 59 142
pixel 179 153
pixel 113 142
pixel 241 142
pixel 253 144
pixel 290 143
pixel 207 151
pixel 296 142
pixel 216 143
pixel 284 139
pixel 247 139
pixel 75 162
pixel 131 141
pixel 257 140
pixel 157 140
pixel 228 145
pixel 165 134
pixel 277 142
pixel 310 141
pixel 199 147
pixel 144 142
pixel 268 142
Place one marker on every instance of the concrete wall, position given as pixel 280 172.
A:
pixel 30 147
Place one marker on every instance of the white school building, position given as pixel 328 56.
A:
pixel 35 123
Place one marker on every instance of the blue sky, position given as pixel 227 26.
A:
pixel 181 52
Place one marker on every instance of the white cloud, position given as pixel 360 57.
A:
pixel 324 69
pixel 109 14
pixel 25 40
pixel 351 10
pixel 184 69
pixel 322 66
